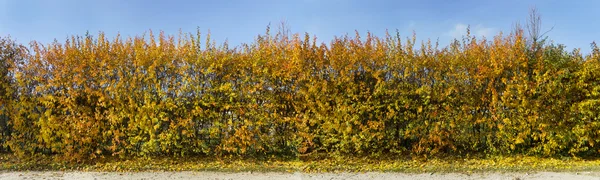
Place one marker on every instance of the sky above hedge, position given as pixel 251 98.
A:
pixel 575 23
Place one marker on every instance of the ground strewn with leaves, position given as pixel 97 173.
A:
pixel 420 165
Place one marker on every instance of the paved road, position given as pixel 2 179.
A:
pixel 273 176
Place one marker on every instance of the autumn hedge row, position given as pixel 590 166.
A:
pixel 287 95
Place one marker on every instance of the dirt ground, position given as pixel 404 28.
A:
pixel 273 176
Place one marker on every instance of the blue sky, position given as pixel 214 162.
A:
pixel 576 23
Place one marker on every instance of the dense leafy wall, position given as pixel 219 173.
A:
pixel 287 95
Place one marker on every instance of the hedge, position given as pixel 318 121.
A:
pixel 91 97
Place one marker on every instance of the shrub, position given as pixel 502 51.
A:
pixel 287 95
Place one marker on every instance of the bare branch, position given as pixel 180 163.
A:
pixel 534 26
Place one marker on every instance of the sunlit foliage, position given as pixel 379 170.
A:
pixel 284 94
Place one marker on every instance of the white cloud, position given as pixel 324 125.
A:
pixel 412 25
pixel 313 29
pixel 479 30
pixel 4 9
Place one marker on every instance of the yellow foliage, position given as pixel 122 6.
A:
pixel 286 95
